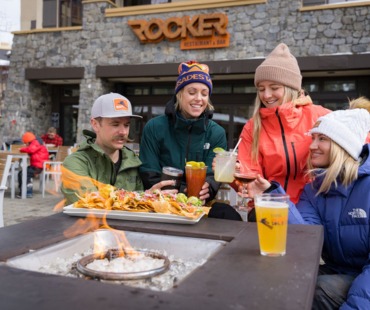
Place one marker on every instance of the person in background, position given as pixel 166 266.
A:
pixel 339 199
pixel 361 103
pixel 274 140
pixel 103 158
pixel 51 137
pixel 38 155
pixel 186 132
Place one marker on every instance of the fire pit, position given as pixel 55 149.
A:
pixel 185 254
pixel 152 264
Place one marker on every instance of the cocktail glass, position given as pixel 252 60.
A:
pixel 225 166
pixel 244 175
pixel 195 178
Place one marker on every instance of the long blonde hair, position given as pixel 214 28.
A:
pixel 209 107
pixel 290 94
pixel 360 103
pixel 342 166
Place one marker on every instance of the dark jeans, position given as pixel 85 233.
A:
pixel 31 172
pixel 331 289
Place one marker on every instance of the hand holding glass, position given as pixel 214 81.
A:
pixel 225 166
pixel 244 175
pixel 195 179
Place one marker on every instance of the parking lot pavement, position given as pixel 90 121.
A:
pixel 20 210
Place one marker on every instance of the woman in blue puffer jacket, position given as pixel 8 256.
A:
pixel 338 199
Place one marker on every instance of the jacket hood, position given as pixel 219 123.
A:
pixel 171 112
pixel 364 168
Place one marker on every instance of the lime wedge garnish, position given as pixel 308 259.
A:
pixel 218 150
pixel 196 164
pixel 192 163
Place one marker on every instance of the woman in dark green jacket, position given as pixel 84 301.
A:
pixel 185 132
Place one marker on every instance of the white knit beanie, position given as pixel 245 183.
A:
pixel 280 66
pixel 348 128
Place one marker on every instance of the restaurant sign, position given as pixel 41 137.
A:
pixel 197 32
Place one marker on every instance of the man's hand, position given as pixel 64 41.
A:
pixel 161 184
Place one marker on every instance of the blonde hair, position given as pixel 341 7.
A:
pixel 290 94
pixel 360 103
pixel 209 107
pixel 342 166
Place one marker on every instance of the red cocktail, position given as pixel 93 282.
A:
pixel 195 178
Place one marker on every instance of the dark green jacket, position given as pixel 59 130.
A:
pixel 170 140
pixel 89 164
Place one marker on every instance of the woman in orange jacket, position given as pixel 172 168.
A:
pixel 275 141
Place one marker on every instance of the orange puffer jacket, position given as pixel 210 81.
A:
pixel 284 143
pixel 38 153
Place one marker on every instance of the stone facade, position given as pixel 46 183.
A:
pixel 254 29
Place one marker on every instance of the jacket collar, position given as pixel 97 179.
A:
pixel 90 143
pixel 290 112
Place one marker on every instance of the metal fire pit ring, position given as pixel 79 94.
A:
pixel 113 253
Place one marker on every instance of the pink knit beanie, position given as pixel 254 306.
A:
pixel 280 66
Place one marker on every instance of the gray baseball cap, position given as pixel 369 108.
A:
pixel 112 105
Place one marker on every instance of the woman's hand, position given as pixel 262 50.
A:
pixel 203 194
pixel 258 186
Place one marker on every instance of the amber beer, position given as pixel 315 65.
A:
pixel 272 223
pixel 195 178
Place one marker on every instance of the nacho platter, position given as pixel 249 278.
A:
pixel 149 206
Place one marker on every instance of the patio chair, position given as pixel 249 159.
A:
pixel 5 165
pixel 52 169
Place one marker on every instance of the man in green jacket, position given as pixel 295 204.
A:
pixel 103 157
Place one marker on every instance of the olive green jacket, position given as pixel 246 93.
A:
pixel 89 167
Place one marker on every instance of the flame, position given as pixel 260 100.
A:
pixel 80 184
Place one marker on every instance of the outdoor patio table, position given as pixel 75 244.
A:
pixel 236 277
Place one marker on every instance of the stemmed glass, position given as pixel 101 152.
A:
pixel 244 175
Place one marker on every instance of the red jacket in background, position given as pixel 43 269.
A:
pixel 284 143
pixel 57 140
pixel 38 153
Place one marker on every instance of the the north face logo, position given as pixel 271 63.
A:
pixel 358 213
pixel 120 104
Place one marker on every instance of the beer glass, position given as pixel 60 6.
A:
pixel 272 223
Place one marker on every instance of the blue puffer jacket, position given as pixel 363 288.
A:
pixel 344 213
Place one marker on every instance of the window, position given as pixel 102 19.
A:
pixel 70 13
pixel 321 2
pixel 141 2
pixel 343 86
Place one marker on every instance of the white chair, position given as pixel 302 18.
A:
pixel 52 170
pixel 5 166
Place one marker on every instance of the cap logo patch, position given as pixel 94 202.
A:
pixel 120 104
